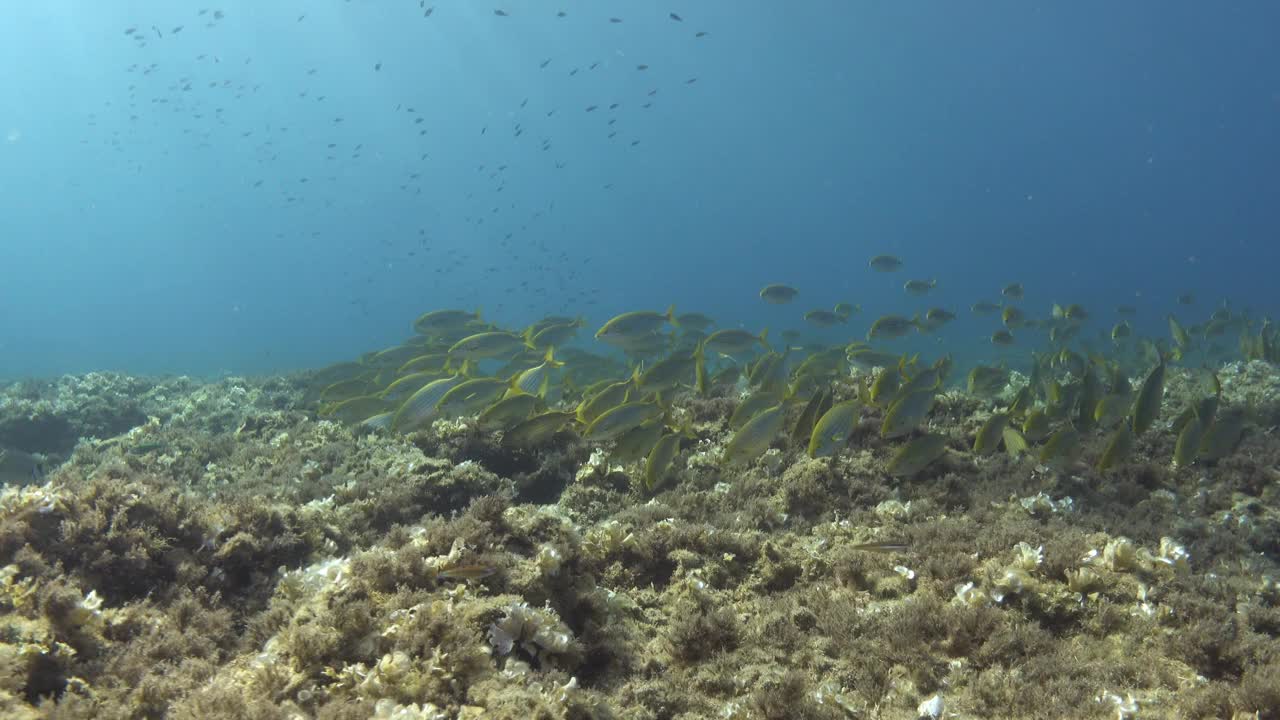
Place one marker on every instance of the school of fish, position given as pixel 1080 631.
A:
pixel 622 388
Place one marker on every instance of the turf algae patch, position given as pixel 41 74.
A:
pixel 286 566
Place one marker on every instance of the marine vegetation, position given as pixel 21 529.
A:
pixel 657 522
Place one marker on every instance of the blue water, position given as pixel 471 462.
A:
pixel 1097 152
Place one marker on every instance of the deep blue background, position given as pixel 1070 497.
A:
pixel 1098 152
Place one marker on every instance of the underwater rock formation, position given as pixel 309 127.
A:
pixel 244 558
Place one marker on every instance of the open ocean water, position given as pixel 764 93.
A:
pixel 436 360
pixel 283 184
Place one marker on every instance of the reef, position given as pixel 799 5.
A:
pixel 218 550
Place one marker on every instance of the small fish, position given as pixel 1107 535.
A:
pixel 879 547
pixel 636 443
pixel 885 263
pixel 441 321
pixel 470 397
pixel 753 405
pixel 347 389
pixel 1022 402
pixel 906 413
pixel 845 309
pixel 825 318
pixel 832 430
pixel 986 381
pixel 486 345
pixel 867 359
pixel 982 307
pixel 1013 291
pixel 818 405
pixel 356 410
pixel 1188 444
pixel 1014 443
pixel 1002 337
pixel 1118 447
pixel 1121 331
pixel 1012 317
pixel 990 434
pixel 694 321
pixel 1179 334
pixel 1036 425
pixel 536 430
pixel 466 572
pixel 927 379
pixel 535 381
pixel 508 412
pixel 1061 449
pixel 917 454
pixel 634 324
pixel 735 341
pixel 770 371
pixel 420 408
pixel 554 336
pixel 1186 299
pixel 884 389
pixel 1146 408
pixel 1111 409
pixel 667 373
pixel 1087 400
pixel 1072 312
pixel 1221 437
pixel 675 17
pixel 937 317
pixel 429 363
pixel 919 288
pixel 755 437
pixel 500 13
pixel 891 326
pixel 658 464
pixel 778 294
pixel 615 421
